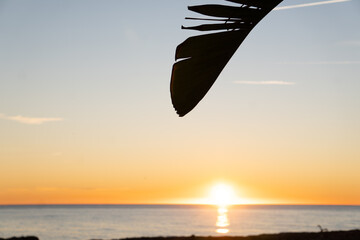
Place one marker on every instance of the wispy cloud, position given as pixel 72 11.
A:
pixel 29 120
pixel 57 154
pixel 264 82
pixel 321 63
pixel 351 43
pixel 311 4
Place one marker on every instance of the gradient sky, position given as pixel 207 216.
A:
pixel 86 115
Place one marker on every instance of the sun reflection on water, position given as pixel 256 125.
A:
pixel 222 221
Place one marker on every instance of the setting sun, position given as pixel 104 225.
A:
pixel 222 195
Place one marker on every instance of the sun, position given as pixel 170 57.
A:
pixel 222 195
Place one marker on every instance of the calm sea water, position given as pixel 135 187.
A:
pixel 120 221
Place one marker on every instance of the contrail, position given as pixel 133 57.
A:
pixel 310 4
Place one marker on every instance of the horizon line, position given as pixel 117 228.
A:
pixel 174 204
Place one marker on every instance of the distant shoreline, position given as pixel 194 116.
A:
pixel 331 235
pixel 324 235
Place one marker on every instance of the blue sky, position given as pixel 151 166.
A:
pixel 87 79
pixel 85 53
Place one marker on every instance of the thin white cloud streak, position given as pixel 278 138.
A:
pixel 310 4
pixel 321 63
pixel 264 82
pixel 351 43
pixel 57 154
pixel 29 120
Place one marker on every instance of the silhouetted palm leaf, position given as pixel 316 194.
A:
pixel 200 59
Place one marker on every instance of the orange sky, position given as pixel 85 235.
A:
pixel 42 164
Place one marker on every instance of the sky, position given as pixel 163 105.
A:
pixel 86 115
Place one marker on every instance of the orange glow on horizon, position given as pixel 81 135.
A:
pixel 225 193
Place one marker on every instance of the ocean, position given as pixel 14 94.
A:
pixel 84 222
